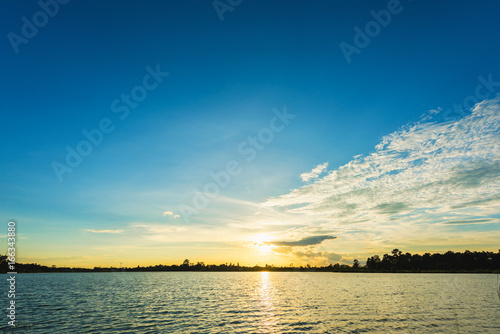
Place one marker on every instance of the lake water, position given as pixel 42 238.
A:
pixel 256 302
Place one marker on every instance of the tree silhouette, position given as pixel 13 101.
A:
pixel 395 262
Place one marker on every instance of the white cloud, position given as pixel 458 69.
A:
pixel 314 173
pixel 170 213
pixel 425 173
pixel 324 257
pixel 157 228
pixel 91 230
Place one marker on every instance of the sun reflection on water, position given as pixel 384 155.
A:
pixel 267 294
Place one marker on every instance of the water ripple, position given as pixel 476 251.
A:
pixel 195 302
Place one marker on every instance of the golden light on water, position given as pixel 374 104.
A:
pixel 267 296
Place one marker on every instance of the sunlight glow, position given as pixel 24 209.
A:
pixel 259 242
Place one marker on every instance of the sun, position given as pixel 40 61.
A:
pixel 264 248
pixel 261 244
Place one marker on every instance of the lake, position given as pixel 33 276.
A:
pixel 256 302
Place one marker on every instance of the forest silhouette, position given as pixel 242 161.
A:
pixel 396 261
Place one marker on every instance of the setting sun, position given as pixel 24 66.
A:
pixel 264 248
pixel 261 243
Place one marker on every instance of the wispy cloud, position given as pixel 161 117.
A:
pixel 157 228
pixel 101 231
pixel 314 173
pixel 425 173
pixel 472 221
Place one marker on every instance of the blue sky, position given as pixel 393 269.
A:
pixel 225 79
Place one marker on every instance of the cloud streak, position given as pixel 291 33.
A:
pixel 101 231
pixel 308 241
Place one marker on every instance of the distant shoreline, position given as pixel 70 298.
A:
pixel 262 271
pixel 398 262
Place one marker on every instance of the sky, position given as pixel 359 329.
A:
pixel 147 132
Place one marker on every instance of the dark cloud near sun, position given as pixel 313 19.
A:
pixel 326 256
pixel 314 240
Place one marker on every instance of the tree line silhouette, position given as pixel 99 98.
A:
pixel 449 261
pixel 487 262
